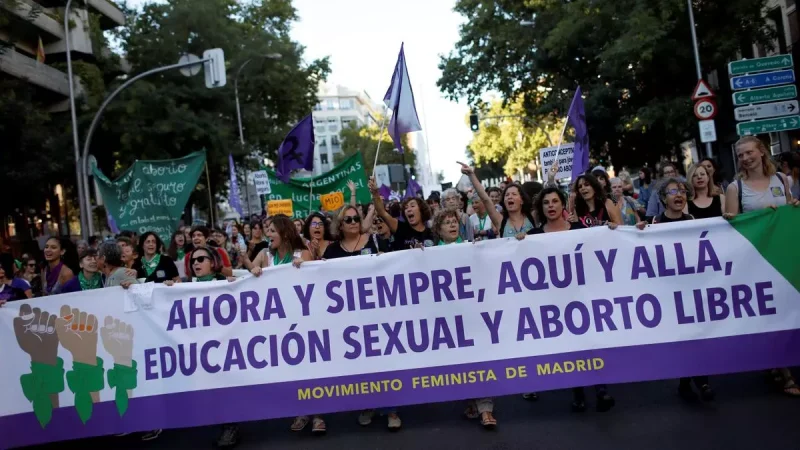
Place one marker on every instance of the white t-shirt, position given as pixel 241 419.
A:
pixel 479 224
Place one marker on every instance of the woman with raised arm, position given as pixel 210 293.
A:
pixel 759 185
pixel 516 218
pixel 411 233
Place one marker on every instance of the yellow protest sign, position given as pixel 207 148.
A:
pixel 275 207
pixel 332 201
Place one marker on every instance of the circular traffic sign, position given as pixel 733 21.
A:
pixel 705 109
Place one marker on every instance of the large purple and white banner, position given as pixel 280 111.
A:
pixel 445 323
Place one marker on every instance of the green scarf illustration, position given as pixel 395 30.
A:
pixel 37 386
pixel 82 380
pixel 123 378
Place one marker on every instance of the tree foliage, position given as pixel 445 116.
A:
pixel 364 140
pixel 632 58
pixel 169 115
pixel 508 138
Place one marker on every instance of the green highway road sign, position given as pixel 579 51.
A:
pixel 776 62
pixel 768 126
pixel 765 95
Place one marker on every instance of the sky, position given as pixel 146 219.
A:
pixel 362 39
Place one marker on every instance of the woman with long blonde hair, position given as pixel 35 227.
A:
pixel 707 201
pixel 759 185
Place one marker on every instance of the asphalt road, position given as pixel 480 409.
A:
pixel 746 415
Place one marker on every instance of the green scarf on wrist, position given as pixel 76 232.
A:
pixel 122 378
pixel 82 380
pixel 37 386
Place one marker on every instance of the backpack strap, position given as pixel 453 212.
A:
pixel 739 186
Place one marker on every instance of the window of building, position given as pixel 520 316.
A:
pixel 347 122
pixel 333 127
pixel 322 141
pixel 346 103
pixel 335 140
pixel 332 104
pixel 794 27
pixel 332 120
pixel 323 158
pixel 319 129
pixel 318 107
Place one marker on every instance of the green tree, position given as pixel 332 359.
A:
pixel 169 115
pixel 508 138
pixel 364 140
pixel 632 58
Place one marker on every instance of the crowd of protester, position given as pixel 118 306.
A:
pixel 511 210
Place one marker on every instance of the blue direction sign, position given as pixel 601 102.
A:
pixel 762 80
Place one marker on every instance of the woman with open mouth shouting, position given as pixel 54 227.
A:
pixel 592 207
pixel 317 234
pixel 411 233
pixel 516 219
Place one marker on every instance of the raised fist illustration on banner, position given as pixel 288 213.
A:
pixel 36 336
pixel 77 332
pixel 118 341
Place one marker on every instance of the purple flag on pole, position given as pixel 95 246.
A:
pixel 412 188
pixel 400 99
pixel 577 118
pixel 297 150
pixel 234 199
pixel 385 192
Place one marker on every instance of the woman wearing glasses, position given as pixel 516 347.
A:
pixel 317 234
pixel 30 274
pixel 351 240
pixel 674 194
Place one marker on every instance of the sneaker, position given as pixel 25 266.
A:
pixel 365 418
pixel 394 422
pixel 150 435
pixel 229 437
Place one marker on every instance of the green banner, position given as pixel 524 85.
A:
pixel 298 190
pixel 151 195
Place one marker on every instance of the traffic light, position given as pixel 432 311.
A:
pixel 473 122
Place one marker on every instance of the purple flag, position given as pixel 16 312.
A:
pixel 112 225
pixel 577 118
pixel 400 99
pixel 385 192
pixel 297 150
pixel 233 198
pixel 412 188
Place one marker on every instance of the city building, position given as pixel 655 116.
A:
pixel 23 23
pixel 339 107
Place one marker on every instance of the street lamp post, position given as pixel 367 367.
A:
pixel 273 56
pixel 85 211
pixel 709 148
pixel 216 64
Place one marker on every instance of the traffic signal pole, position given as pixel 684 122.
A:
pixel 709 148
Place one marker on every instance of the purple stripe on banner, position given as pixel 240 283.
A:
pixel 267 401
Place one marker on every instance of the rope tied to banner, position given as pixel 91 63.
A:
pixel 82 380
pixel 123 378
pixel 37 386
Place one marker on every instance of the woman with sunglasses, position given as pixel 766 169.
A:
pixel 205 264
pixel 317 234
pixel 30 274
pixel 351 240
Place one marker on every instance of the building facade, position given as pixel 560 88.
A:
pixel 23 23
pixel 338 108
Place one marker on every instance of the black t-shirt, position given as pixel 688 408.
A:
pixel 406 237
pixel 662 218
pixel 373 246
pixel 257 249
pixel 572 226
pixel 165 270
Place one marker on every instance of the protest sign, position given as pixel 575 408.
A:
pixel 261 182
pixel 452 322
pixel 332 201
pixel 298 189
pixel 548 155
pixel 275 207
pixel 151 195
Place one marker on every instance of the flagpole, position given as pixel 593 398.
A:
pixel 210 201
pixel 561 141
pixel 378 151
pixel 310 195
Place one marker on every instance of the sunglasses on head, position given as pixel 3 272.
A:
pixel 201 259
pixel 352 219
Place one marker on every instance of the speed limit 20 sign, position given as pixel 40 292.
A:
pixel 705 109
